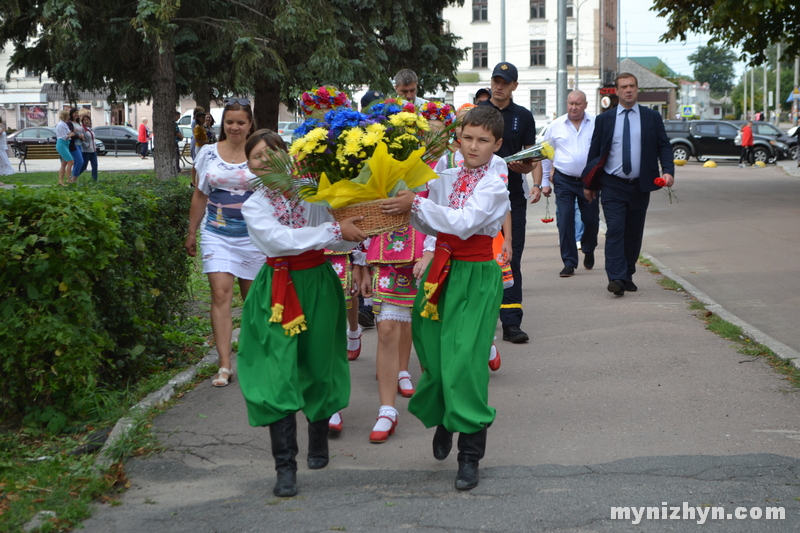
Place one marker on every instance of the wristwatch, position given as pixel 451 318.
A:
pixel 537 185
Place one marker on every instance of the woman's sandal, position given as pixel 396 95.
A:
pixel 220 381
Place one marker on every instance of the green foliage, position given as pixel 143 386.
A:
pixel 753 26
pixel 714 65
pixel 92 287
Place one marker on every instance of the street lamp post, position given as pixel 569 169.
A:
pixel 578 39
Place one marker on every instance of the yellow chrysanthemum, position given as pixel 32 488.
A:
pixel 352 147
pixel 404 118
pixel 317 134
pixel 371 138
pixel 309 146
pixel 376 128
pixel 297 146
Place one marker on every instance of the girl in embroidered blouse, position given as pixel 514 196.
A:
pixel 223 185
pixel 293 345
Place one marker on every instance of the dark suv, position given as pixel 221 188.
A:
pixel 704 139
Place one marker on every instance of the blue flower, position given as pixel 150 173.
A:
pixel 306 127
pixel 343 118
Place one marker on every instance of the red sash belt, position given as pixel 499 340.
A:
pixel 476 248
pixel 286 307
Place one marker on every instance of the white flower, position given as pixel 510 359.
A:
pixel 384 282
pixel 398 246
pixel 337 267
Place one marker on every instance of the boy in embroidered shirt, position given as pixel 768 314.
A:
pixel 293 346
pixel 455 317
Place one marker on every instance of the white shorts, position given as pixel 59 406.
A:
pixel 393 312
pixel 234 255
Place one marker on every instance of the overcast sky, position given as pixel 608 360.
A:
pixel 640 30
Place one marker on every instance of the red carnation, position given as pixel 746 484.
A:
pixel 659 181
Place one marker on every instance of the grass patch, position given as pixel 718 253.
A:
pixel 51 178
pixel 744 344
pixel 670 284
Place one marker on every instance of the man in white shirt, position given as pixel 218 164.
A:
pixel 405 83
pixel 571 136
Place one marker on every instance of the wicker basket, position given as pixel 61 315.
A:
pixel 375 222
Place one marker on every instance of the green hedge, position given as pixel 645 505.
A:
pixel 92 282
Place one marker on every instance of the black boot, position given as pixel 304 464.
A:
pixel 318 444
pixel 283 435
pixel 471 447
pixel 442 443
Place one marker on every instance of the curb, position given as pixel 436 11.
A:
pixel 165 393
pixel 780 349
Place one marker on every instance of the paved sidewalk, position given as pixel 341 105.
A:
pixel 615 402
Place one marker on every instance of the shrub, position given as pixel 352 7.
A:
pixel 91 280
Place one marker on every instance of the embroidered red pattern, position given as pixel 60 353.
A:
pixel 465 184
pixel 289 212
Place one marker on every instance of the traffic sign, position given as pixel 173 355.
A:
pixel 687 111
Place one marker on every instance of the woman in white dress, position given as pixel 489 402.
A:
pixel 223 185
pixel 5 164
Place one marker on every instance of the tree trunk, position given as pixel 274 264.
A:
pixel 266 104
pixel 164 98
pixel 202 94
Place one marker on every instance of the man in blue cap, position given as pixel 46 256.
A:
pixel 519 132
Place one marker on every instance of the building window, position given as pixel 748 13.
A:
pixel 570 8
pixel 570 53
pixel 538 101
pixel 480 55
pixel 29 73
pixel 480 10
pixel 537 9
pixel 537 54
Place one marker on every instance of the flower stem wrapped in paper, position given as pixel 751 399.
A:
pixel 537 152
pixel 351 162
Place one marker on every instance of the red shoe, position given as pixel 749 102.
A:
pixel 379 437
pixel 352 355
pixel 494 364
pixel 336 428
pixel 405 393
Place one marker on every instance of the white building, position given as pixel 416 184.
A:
pixel 698 95
pixel 530 33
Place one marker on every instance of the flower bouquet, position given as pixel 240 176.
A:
pixel 537 152
pixel 351 161
pixel 547 217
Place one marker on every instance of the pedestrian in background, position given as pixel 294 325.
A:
pixel 75 143
pixel 628 144
pixel 747 145
pixel 88 147
pixel 5 152
pixel 144 139
pixel 208 125
pixel 519 132
pixel 571 136
pixel 64 135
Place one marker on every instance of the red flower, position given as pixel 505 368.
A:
pixel 659 181
pixel 410 108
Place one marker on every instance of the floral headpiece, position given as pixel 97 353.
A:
pixel 322 99
pixel 438 111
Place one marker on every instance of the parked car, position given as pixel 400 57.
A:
pixel 124 138
pixel 704 139
pixel 787 145
pixel 28 136
pixel 286 130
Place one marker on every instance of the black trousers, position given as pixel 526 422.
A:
pixel 511 308
pixel 747 154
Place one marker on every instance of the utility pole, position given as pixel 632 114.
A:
pixel 744 96
pixel 502 31
pixel 778 86
pixel 753 89
pixel 561 64
pixel 765 109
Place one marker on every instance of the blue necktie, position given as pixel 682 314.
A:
pixel 626 144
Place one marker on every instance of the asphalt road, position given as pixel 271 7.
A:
pixel 616 402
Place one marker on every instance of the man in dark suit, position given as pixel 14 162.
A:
pixel 628 143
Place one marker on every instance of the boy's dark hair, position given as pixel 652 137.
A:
pixel 486 117
pixel 273 140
